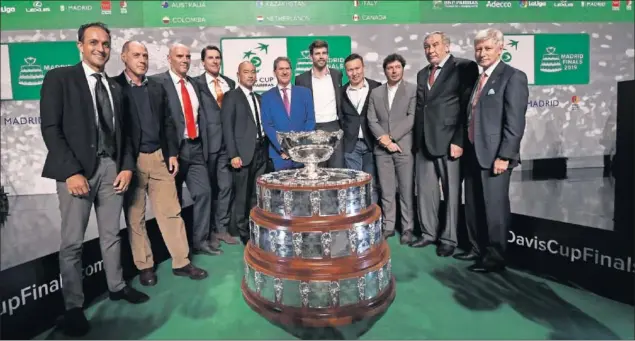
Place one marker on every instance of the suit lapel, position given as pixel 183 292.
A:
pixel 491 80
pixel 446 70
pixel 86 101
pixel 246 100
pixel 203 82
pixel 170 88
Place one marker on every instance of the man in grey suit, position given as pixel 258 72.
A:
pixel 213 86
pixel 190 119
pixel 443 91
pixel 496 124
pixel 391 114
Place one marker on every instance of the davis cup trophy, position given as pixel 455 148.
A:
pixel 317 257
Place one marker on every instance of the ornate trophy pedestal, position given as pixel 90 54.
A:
pixel 316 257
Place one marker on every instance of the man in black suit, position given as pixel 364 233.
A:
pixel 190 118
pixel 496 125
pixel 358 141
pixel 325 84
pixel 213 88
pixel 155 145
pixel 246 144
pixel 443 91
pixel 91 159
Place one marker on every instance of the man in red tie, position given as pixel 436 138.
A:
pixel 285 108
pixel 496 124
pixel 191 121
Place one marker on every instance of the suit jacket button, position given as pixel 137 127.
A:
pixel 92 146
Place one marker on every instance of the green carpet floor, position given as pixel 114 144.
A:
pixel 436 299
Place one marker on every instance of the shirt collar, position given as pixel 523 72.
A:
pixel 364 85
pixel 245 90
pixel 287 87
pixel 89 72
pixel 209 78
pixel 492 68
pixel 327 73
pixel 394 87
pixel 175 78
pixel 144 80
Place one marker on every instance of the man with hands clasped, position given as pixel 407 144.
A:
pixel 390 118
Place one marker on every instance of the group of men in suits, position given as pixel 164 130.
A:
pixel 112 141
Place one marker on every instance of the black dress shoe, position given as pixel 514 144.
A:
pixel 190 271
pixel 469 256
pixel 445 250
pixel 481 267
pixel 74 323
pixel 147 277
pixel 407 238
pixel 422 243
pixel 206 249
pixel 129 294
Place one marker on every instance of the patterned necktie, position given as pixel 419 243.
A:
pixel 105 115
pixel 431 79
pixel 285 100
pixel 190 124
pixel 470 131
pixel 219 92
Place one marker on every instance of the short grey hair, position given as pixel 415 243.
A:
pixel 280 59
pixel 490 33
pixel 444 37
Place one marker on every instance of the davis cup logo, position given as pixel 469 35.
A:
pixel 261 52
pixel 253 55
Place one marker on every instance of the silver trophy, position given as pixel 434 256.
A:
pixel 310 148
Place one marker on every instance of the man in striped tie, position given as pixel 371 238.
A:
pixel 285 108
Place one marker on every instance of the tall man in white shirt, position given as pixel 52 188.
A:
pixel 325 84
pixel 191 125
pixel 213 86
pixel 358 141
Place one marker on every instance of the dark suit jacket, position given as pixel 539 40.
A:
pixel 500 118
pixel 441 112
pixel 168 138
pixel 239 127
pixel 178 116
pixel 305 80
pixel 69 125
pixel 212 112
pixel 351 120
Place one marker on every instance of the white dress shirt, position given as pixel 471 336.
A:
pixel 392 90
pixel 358 98
pixel 324 98
pixel 176 79
pixel 92 82
pixel 212 88
pixel 247 93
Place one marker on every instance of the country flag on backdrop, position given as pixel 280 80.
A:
pixel 519 53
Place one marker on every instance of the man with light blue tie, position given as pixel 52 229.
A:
pixel 285 108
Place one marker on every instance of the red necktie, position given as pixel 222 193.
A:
pixel 190 124
pixel 285 100
pixel 470 131
pixel 432 72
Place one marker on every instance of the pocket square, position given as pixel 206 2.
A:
pixel 491 92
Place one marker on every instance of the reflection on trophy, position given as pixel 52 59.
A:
pixel 317 257
pixel 310 148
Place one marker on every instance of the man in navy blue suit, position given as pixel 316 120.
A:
pixel 285 108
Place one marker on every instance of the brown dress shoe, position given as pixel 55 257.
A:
pixel 227 238
pixel 190 271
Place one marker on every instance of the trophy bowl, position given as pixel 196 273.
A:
pixel 310 148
